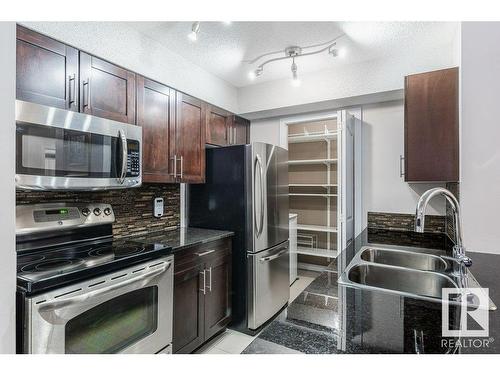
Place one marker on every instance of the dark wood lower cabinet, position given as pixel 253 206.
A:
pixel 202 294
pixel 218 303
pixel 189 302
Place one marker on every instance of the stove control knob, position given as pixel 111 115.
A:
pixel 97 211
pixel 86 211
pixel 107 211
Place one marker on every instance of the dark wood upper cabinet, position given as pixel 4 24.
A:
pixel 431 127
pixel 156 116
pixel 240 133
pixel 47 71
pixel 218 126
pixel 190 138
pixel 106 90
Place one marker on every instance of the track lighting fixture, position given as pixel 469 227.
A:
pixel 195 29
pixel 293 52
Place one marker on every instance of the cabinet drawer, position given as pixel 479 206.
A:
pixel 201 253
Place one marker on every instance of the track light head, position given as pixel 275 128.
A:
pixel 295 77
pixel 255 73
pixel 195 29
pixel 294 69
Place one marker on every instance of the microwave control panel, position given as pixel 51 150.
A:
pixel 133 159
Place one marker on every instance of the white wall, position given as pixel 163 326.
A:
pixel 7 188
pixel 382 144
pixel 117 42
pixel 354 80
pixel 266 130
pixel 480 157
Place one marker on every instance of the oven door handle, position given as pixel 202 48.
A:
pixel 65 302
pixel 123 141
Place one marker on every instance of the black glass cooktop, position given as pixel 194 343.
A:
pixel 41 270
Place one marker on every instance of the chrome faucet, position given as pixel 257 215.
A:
pixel 458 249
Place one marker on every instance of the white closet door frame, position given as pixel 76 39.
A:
pixel 345 179
pixel 284 122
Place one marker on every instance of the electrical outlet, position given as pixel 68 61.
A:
pixel 158 207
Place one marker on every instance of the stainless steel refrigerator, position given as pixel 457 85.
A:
pixel 246 191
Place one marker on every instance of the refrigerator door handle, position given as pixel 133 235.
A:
pixel 275 256
pixel 259 226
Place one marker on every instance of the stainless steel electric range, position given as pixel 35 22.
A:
pixel 81 291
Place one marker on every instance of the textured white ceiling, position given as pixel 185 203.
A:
pixel 222 49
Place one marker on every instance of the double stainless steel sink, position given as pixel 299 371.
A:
pixel 407 259
pixel 421 275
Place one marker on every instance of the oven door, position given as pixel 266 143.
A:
pixel 129 311
pixel 59 149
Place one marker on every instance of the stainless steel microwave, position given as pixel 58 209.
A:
pixel 60 149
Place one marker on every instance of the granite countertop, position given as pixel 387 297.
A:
pixel 181 238
pixel 331 318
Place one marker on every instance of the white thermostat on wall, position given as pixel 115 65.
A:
pixel 158 207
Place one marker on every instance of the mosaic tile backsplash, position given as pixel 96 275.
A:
pixel 406 222
pixel 133 207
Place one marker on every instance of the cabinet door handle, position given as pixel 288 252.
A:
pixel 210 280
pixel 175 166
pixel 86 93
pixel 401 166
pixel 205 253
pixel 204 282
pixel 71 89
pixel 182 166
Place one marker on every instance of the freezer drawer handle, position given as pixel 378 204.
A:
pixel 205 253
pixel 272 257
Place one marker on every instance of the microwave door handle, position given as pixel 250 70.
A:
pixel 123 141
pixel 70 301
